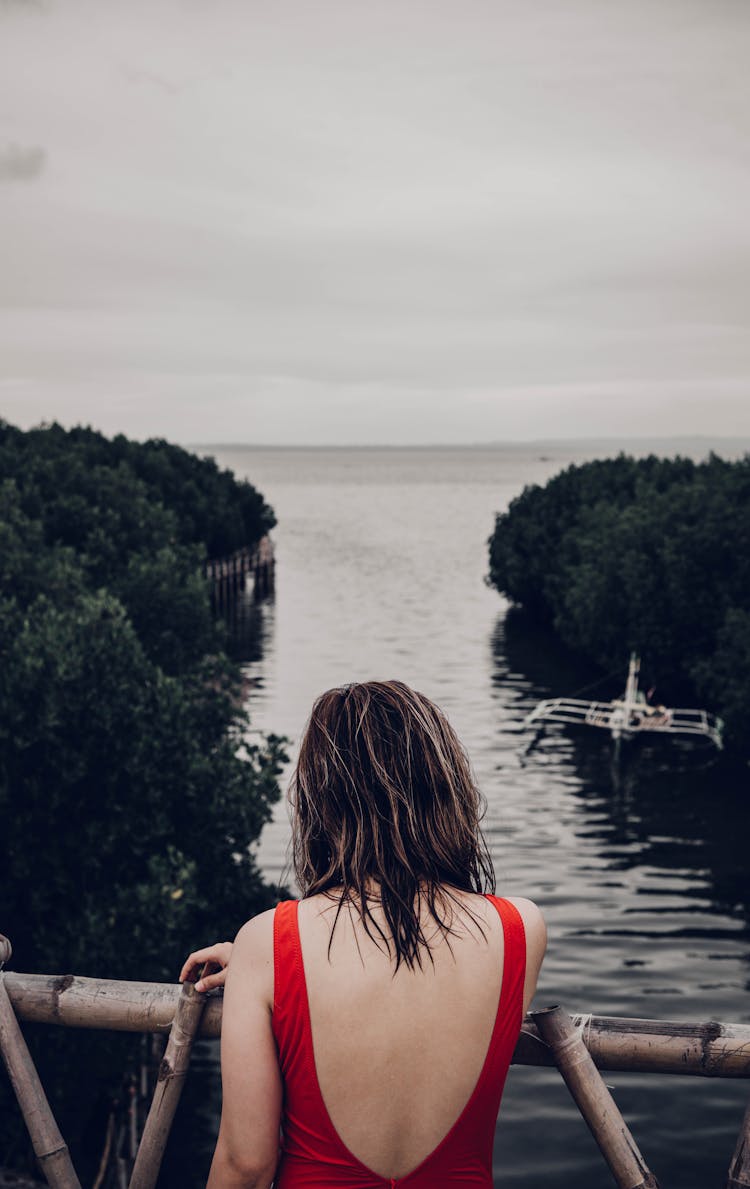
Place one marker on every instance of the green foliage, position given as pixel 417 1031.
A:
pixel 126 810
pixel 129 795
pixel 100 495
pixel 651 555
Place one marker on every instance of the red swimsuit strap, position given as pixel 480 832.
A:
pixel 285 947
pixel 290 1008
pixel 510 1005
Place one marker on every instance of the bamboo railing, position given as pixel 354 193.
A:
pixel 616 1044
pixel 580 1047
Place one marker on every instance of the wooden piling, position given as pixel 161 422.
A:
pixel 229 575
pixel 739 1169
pixel 172 1073
pixel 49 1146
pixel 594 1100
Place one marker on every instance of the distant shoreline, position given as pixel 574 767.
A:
pixel 738 445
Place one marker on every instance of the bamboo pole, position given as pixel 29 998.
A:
pixel 49 1146
pixel 739 1169
pixel 118 1006
pixel 708 1049
pixel 617 1044
pixel 594 1100
pixel 172 1073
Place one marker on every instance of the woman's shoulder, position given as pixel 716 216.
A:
pixel 252 953
pixel 530 913
pixel 256 931
pixel 534 927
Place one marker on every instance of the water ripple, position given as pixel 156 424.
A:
pixel 640 867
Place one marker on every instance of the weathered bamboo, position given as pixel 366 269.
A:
pixel 594 1100
pixel 49 1146
pixel 102 1003
pixel 172 1073
pixel 709 1048
pixel 616 1044
pixel 739 1169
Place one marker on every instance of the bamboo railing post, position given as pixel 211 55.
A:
pixel 49 1146
pixel 593 1099
pixel 172 1073
pixel 739 1169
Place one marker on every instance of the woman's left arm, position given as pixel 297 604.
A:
pixel 247 1150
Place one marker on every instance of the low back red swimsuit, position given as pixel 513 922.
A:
pixel 313 1155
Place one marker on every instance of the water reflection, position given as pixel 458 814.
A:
pixel 665 820
pixel 249 622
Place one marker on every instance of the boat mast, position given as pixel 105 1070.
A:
pixel 631 686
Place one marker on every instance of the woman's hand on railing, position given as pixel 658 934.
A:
pixel 216 955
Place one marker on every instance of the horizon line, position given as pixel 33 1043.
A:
pixel 735 439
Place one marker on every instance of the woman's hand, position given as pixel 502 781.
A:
pixel 216 955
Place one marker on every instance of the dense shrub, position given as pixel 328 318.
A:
pixel 651 555
pixel 129 796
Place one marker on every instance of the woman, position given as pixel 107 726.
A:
pixel 373 1021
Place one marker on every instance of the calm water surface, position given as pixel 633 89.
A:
pixel 640 869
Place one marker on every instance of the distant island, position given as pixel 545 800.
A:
pixel 692 446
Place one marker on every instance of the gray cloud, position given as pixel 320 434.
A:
pixel 356 213
pixel 20 163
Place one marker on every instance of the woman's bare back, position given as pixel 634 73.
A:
pixel 398 1055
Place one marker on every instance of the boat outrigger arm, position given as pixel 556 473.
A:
pixel 629 715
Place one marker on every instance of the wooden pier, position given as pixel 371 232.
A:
pixel 231 575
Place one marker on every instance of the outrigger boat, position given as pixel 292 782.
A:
pixel 630 715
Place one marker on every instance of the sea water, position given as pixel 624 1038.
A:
pixel 639 866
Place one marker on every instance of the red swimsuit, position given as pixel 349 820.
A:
pixel 313 1155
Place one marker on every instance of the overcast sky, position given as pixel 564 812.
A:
pixel 316 221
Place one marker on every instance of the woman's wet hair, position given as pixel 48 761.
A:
pixel 386 808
